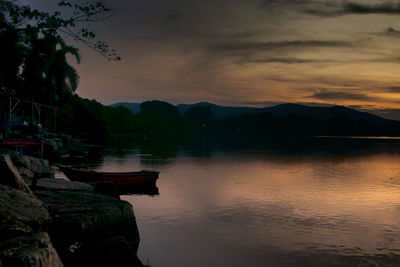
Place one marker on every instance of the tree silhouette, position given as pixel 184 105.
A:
pixel 198 116
pixel 159 115
pixel 35 53
pixel 11 50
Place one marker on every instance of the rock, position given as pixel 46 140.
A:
pixel 21 213
pixel 106 188
pixel 25 172
pixel 52 147
pixel 51 135
pixel 10 175
pixel 31 168
pixel 30 250
pixel 24 221
pixel 109 252
pixel 29 180
pixel 62 184
pixel 65 138
pixel 81 216
pixel 54 144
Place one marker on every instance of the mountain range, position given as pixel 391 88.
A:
pixel 281 110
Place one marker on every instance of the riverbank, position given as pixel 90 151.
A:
pixel 54 222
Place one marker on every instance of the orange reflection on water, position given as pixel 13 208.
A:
pixel 268 204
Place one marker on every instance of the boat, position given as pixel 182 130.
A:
pixel 29 146
pixel 141 178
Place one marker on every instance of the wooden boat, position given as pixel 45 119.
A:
pixel 141 178
pixel 24 145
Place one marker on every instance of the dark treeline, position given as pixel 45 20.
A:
pixel 101 124
pixel 297 125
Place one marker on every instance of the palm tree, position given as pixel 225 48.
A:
pixel 11 50
pixel 47 74
pixel 61 78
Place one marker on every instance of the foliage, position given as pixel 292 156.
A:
pixel 198 116
pixel 159 115
pixel 159 124
pixel 35 53
pixel 90 120
pixel 23 18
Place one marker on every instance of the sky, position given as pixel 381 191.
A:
pixel 247 52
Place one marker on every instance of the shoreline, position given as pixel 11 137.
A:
pixel 54 222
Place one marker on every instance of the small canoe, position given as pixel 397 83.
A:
pixel 141 178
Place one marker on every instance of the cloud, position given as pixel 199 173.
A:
pixel 262 46
pixel 392 32
pixel 355 8
pixel 384 8
pixel 394 89
pixel 281 60
pixel 325 94
pixel 285 60
pixel 191 50
pixel 172 16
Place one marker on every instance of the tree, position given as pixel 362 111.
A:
pixel 11 51
pixel 198 116
pixel 36 63
pixel 46 72
pixel 159 115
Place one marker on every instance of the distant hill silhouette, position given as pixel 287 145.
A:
pixel 322 113
pixel 133 107
pixel 220 112
pixel 282 110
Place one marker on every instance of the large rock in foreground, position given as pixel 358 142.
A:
pixel 33 250
pixel 114 251
pixel 50 184
pixel 24 221
pixel 81 214
pixel 21 213
pixel 31 168
pixel 10 175
pixel 82 218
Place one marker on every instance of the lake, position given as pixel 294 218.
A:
pixel 330 203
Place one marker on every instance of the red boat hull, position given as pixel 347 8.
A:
pixel 125 178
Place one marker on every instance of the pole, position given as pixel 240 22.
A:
pixel 10 112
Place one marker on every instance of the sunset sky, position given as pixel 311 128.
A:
pixel 247 52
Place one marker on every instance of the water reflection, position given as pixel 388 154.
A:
pixel 270 206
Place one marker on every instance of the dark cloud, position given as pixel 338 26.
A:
pixel 392 32
pixel 394 89
pixel 284 4
pixel 325 94
pixel 355 8
pixel 383 8
pixel 284 60
pixel 234 35
pixel 253 46
pixel 172 16
pixel 281 60
pixel 323 12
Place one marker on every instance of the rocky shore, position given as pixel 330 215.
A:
pixel 54 222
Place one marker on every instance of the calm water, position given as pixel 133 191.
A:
pixel 261 207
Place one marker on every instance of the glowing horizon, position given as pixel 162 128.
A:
pixel 241 52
